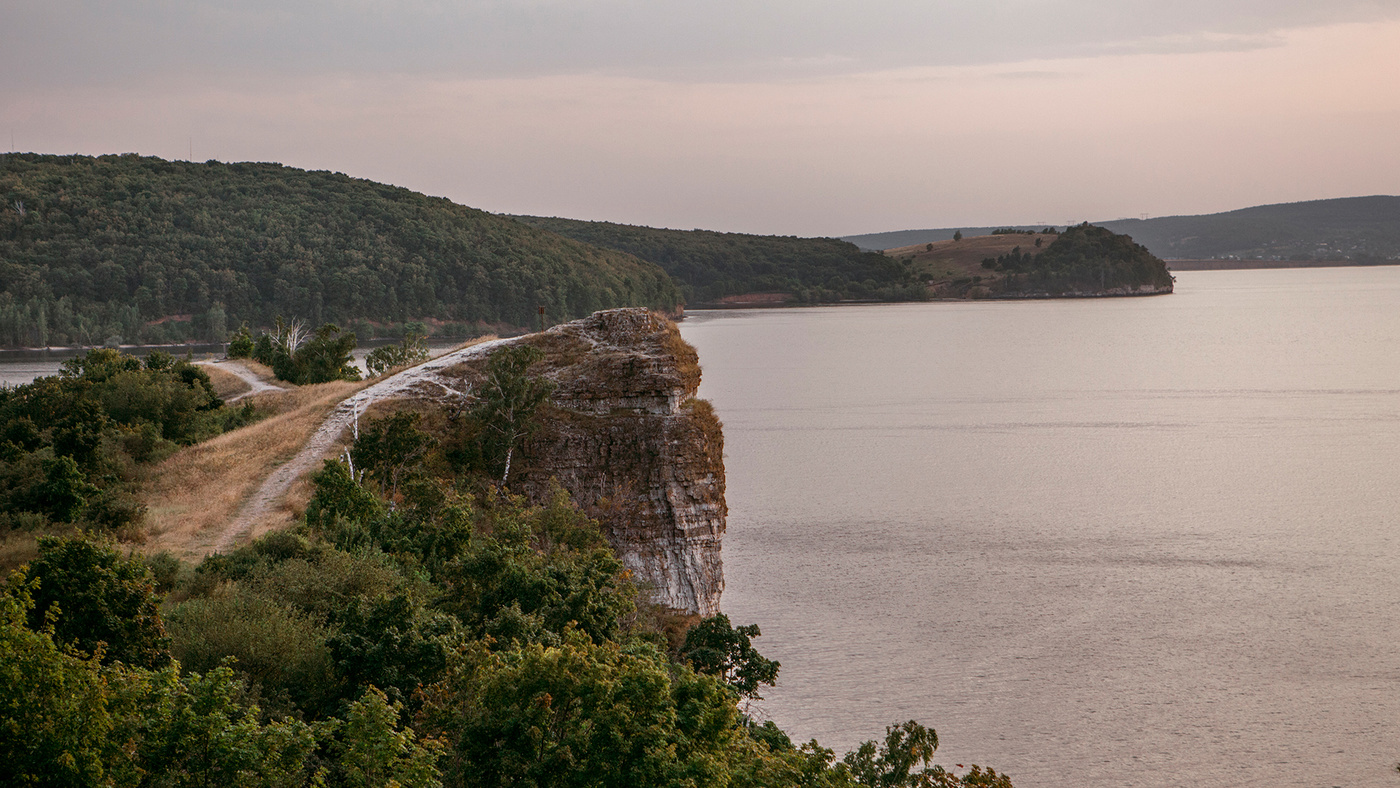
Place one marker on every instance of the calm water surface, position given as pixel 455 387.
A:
pixel 1130 542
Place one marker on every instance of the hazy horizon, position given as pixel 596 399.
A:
pixel 775 117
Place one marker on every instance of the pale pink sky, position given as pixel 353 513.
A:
pixel 1243 111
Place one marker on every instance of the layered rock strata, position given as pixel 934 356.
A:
pixel 625 436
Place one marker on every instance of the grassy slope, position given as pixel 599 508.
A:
pixel 193 494
pixel 950 260
pixel 114 234
pixel 1327 229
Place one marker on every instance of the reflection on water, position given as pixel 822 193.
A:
pixel 1143 542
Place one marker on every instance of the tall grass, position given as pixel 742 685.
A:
pixel 196 492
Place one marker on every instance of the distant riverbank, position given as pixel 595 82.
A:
pixel 15 355
pixel 1242 265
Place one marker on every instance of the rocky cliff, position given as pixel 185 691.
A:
pixel 628 440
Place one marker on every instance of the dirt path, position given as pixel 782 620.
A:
pixel 275 487
pixel 256 383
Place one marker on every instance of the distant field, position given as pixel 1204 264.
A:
pixel 945 261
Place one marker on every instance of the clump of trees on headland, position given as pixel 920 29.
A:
pixel 1083 259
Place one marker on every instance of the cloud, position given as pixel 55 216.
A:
pixel 1032 74
pixel 76 42
pixel 1032 141
pixel 1197 42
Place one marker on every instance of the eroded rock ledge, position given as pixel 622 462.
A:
pixel 628 440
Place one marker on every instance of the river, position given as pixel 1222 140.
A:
pixel 1119 542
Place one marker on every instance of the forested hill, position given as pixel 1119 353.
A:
pixel 152 250
pixel 1362 229
pixel 710 266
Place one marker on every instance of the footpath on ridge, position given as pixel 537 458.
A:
pixel 275 487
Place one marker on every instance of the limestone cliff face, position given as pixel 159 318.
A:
pixel 625 436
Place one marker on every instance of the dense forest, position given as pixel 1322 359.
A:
pixel 1082 259
pixel 137 249
pixel 422 627
pixel 710 265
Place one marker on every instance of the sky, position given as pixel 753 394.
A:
pixel 811 117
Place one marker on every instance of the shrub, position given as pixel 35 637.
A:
pixel 97 602
pixel 411 350
pixel 281 651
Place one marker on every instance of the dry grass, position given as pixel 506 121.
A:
pixel 196 493
pixel 226 384
pixel 263 371
pixel 16 548
pixel 949 260
pixel 192 496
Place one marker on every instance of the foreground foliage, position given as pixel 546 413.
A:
pixel 422 627
pixel 71 444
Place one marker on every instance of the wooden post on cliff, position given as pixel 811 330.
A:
pixel 541 318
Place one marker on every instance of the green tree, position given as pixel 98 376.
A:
pixel 374 752
pixel 64 493
pixel 580 714
pixel 240 345
pixel 339 497
pixel 54 722
pixel 412 349
pixel 191 732
pixel 715 647
pixel 507 402
pixel 326 357
pixel 393 643
pixel 904 760
pixel 538 573
pixel 97 601
pixel 390 449
pixel 218 322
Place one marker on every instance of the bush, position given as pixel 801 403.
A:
pixel 282 652
pixel 97 602
pixel 411 350
pixel 241 344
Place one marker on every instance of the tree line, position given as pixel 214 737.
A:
pixel 708 266
pixel 145 250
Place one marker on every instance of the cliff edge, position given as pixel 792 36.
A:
pixel 625 436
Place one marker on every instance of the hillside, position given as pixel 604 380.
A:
pixel 1361 229
pixel 939 262
pixel 712 267
pixel 148 250
pixel 907 239
pixel 1084 260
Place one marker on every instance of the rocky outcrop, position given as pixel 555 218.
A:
pixel 628 440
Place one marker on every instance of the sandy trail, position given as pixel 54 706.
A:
pixel 276 485
pixel 256 383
